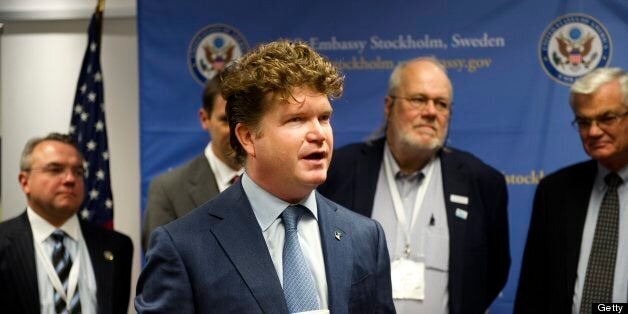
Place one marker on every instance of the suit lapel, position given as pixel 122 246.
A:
pixel 455 183
pixel 367 172
pixel 337 251
pixel 577 204
pixel 26 272
pixel 240 236
pixel 103 268
pixel 201 181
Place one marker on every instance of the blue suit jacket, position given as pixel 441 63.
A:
pixel 479 257
pixel 215 260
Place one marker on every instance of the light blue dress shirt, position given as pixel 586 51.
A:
pixel 268 209
pixel 429 237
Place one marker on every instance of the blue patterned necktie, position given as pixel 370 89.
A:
pixel 298 283
pixel 62 262
pixel 598 282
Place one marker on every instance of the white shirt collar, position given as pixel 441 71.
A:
pixel 222 172
pixel 42 229
pixel 268 207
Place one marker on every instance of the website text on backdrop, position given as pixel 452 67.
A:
pixel 177 192
pixel 49 260
pixel 575 253
pixel 443 210
pixel 243 252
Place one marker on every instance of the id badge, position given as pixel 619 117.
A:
pixel 408 279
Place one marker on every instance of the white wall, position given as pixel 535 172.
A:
pixel 39 66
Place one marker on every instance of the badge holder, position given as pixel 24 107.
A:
pixel 408 277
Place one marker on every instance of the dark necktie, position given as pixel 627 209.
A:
pixel 234 179
pixel 598 283
pixel 298 284
pixel 62 262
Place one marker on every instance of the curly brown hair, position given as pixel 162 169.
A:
pixel 274 68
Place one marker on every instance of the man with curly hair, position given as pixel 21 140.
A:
pixel 270 243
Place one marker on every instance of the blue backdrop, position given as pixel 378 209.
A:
pixel 510 63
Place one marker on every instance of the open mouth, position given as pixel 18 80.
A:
pixel 315 156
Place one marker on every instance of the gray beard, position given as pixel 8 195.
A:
pixel 405 143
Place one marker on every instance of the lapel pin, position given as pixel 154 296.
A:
pixel 459 199
pixel 338 234
pixel 108 255
pixel 461 213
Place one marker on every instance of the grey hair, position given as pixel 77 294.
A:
pixel 395 77
pixel 395 80
pixel 26 159
pixel 591 82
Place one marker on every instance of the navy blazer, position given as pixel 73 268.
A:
pixel 479 254
pixel 550 260
pixel 19 290
pixel 215 260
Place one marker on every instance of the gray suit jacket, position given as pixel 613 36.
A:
pixel 175 193
pixel 215 260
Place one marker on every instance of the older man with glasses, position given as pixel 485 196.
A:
pixel 443 210
pixel 576 254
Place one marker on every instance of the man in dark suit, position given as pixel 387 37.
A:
pixel 175 193
pixel 243 252
pixel 49 261
pixel 443 210
pixel 575 254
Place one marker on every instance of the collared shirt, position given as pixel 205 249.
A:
pixel 268 209
pixel 429 237
pixel 222 172
pixel 620 283
pixel 76 246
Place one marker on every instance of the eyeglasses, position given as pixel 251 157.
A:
pixel 421 102
pixel 605 120
pixel 59 170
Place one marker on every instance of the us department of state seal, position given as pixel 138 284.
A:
pixel 213 48
pixel 572 46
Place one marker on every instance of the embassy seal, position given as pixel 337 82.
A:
pixel 573 45
pixel 212 49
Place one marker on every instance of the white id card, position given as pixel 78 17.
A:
pixel 408 279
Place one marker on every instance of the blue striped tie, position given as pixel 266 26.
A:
pixel 62 262
pixel 298 283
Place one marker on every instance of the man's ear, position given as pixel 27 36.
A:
pixel 22 178
pixel 203 118
pixel 246 137
pixel 388 103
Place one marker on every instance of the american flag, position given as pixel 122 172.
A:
pixel 89 131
